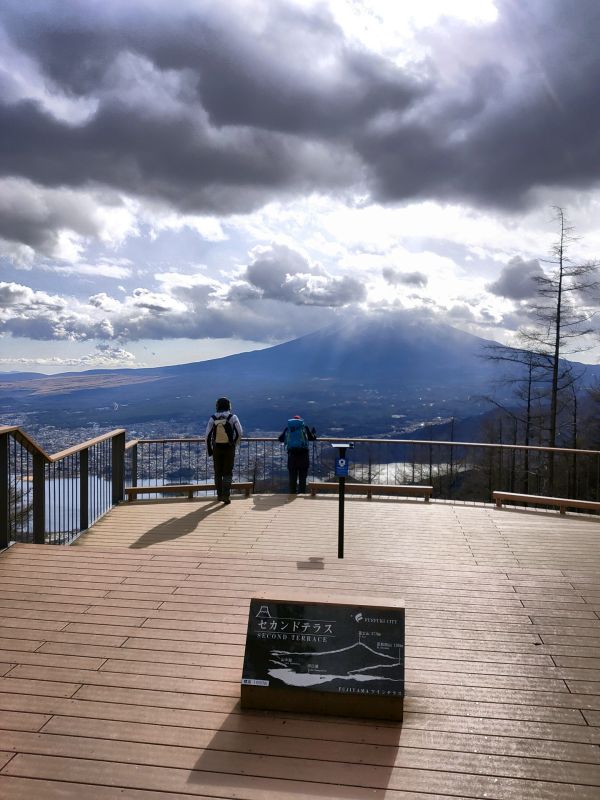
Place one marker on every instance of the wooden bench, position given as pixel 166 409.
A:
pixel 185 488
pixel 562 503
pixel 411 490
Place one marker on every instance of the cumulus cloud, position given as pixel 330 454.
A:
pixel 517 280
pixel 182 306
pixel 104 355
pixel 280 273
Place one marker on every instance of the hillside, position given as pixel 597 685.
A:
pixel 374 376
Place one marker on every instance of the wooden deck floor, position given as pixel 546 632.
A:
pixel 120 657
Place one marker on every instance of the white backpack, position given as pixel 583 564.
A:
pixel 223 432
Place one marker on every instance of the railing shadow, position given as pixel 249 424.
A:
pixel 176 527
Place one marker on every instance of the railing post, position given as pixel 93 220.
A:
pixel 84 489
pixel 118 468
pixel 39 499
pixel 134 465
pixel 4 493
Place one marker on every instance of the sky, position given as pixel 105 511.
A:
pixel 181 181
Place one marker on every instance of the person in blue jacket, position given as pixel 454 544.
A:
pixel 296 436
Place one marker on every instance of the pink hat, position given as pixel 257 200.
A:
pixel 296 417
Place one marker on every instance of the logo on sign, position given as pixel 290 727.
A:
pixel 341 466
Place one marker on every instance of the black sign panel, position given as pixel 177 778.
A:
pixel 344 649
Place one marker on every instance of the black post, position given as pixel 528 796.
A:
pixel 118 468
pixel 84 482
pixel 342 495
pixel 4 493
pixel 39 499
pixel 134 465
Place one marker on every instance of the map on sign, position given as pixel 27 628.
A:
pixel 325 647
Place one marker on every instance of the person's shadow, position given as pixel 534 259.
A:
pixel 176 527
pixel 268 502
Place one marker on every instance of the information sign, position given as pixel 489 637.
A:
pixel 331 657
pixel 341 467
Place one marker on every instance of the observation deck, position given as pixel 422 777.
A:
pixel 121 655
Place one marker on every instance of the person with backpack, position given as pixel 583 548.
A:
pixel 223 432
pixel 296 437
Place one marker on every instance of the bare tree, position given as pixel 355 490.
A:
pixel 560 321
pixel 525 373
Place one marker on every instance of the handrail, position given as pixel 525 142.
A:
pixel 438 442
pixel 34 448
pixel 86 445
pixel 53 497
pixel 24 439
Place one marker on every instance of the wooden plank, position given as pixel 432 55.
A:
pixel 12 788
pixel 304 726
pixel 321 749
pixel 592 718
pixel 228 776
pixel 22 720
pixel 423 705
pixel 153 683
pixel 21 616
pixel 41 687
pixel 361 765
pixel 37 624
pixel 43 659
pixel 59 636
pixel 8 643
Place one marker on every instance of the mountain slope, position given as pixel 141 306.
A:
pixel 368 376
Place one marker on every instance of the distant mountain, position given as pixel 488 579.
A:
pixel 374 376
pixel 356 658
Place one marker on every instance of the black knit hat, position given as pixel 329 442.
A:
pixel 223 404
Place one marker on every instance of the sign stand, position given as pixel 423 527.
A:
pixel 341 471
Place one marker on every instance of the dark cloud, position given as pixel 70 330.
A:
pixel 283 274
pixel 395 277
pixel 291 72
pixel 241 124
pixel 221 107
pixel 35 217
pixel 528 116
pixel 517 280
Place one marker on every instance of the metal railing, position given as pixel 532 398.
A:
pixel 468 471
pixel 52 498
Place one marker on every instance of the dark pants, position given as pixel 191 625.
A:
pixel 223 457
pixel 298 469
